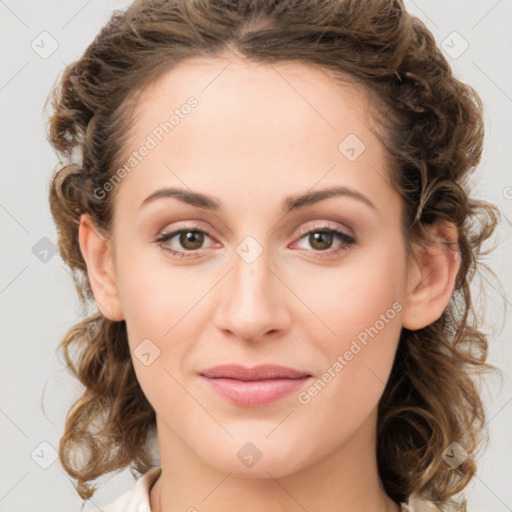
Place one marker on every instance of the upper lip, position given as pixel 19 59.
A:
pixel 261 372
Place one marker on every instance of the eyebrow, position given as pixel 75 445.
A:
pixel 289 204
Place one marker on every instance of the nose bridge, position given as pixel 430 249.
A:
pixel 251 274
pixel 250 306
pixel 251 287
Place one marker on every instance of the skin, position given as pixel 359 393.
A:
pixel 259 134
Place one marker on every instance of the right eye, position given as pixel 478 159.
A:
pixel 190 239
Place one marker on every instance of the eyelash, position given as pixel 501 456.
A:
pixel 347 241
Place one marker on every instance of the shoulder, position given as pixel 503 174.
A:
pixel 136 500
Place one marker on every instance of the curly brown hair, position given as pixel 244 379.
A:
pixel 432 128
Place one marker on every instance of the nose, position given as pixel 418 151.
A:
pixel 253 302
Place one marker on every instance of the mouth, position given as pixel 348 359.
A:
pixel 254 387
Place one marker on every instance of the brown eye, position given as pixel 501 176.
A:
pixel 184 243
pixel 325 242
pixel 191 240
pixel 321 240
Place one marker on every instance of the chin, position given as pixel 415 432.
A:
pixel 250 455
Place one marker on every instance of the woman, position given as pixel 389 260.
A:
pixel 266 201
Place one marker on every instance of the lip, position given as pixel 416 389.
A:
pixel 254 387
pixel 260 372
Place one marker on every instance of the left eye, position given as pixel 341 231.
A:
pixel 322 239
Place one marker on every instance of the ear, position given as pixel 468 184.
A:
pixel 432 277
pixel 97 253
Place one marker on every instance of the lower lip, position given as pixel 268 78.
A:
pixel 255 393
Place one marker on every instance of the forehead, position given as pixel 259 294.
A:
pixel 226 85
pixel 288 123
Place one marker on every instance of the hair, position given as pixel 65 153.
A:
pixel 432 127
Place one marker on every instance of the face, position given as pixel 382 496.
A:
pixel 252 274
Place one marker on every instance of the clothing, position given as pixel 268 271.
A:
pixel 137 500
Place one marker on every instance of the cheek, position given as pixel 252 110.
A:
pixel 360 305
pixel 353 296
pixel 155 295
pixel 165 309
pixel 162 309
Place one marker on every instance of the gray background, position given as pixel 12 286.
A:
pixel 37 299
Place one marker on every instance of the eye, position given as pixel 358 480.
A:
pixel 190 239
pixel 322 238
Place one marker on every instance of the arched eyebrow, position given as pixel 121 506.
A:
pixel 289 204
pixel 301 200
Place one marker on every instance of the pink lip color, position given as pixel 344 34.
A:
pixel 254 393
pixel 253 387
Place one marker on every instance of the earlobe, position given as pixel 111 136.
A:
pixel 432 280
pixel 97 254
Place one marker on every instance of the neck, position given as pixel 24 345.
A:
pixel 344 479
